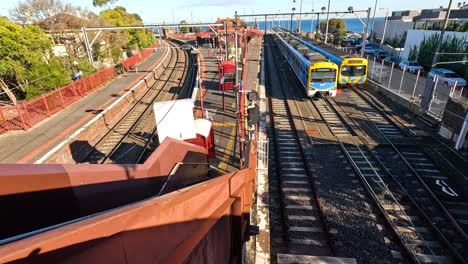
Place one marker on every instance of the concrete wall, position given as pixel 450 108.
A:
pixel 415 37
pixel 395 28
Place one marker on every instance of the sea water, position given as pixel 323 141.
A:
pixel 352 24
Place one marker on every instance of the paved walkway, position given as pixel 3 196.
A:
pixel 225 120
pixel 16 145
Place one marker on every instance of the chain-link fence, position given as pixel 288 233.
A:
pixel 410 83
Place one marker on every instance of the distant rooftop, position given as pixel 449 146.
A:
pixel 457 13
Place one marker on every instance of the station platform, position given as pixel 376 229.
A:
pixel 209 104
pixel 25 146
pixel 226 123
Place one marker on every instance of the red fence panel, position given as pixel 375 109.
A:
pixel 36 110
pixel 24 116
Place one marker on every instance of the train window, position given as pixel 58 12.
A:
pixel 346 71
pixel 359 70
pixel 323 75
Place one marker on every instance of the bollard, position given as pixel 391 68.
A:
pixel 416 83
pixel 402 77
pixel 390 79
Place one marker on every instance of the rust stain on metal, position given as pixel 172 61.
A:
pixel 311 132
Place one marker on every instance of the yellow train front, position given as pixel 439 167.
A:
pixel 353 71
pixel 315 72
pixel 322 78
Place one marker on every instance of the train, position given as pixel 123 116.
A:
pixel 314 71
pixel 352 70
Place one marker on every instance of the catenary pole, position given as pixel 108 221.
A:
pixel 326 28
pixel 373 19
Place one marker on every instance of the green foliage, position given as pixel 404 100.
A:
pixel 128 39
pixel 413 54
pixel 26 60
pixel 318 36
pixel 334 25
pixel 397 41
pixel 451 44
pixel 339 36
pixel 183 29
pixel 464 28
pixel 100 3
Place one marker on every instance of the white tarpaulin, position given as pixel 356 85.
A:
pixel 203 127
pixel 175 119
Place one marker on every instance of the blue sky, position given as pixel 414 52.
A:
pixel 154 11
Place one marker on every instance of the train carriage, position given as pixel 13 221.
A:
pixel 352 70
pixel 315 72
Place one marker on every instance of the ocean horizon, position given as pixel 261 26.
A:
pixel 352 24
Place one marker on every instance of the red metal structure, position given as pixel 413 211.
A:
pixel 205 141
pixel 227 77
pixel 26 114
pixel 206 222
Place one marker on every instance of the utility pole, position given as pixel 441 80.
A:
pixel 430 84
pixel 326 29
pixel 441 37
pixel 300 18
pixel 318 24
pixel 88 48
pixel 373 18
pixel 364 35
pixel 226 49
pixel 384 29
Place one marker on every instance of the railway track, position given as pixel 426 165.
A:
pixel 306 231
pixel 427 159
pixel 134 134
pixel 426 232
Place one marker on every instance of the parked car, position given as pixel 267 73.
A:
pixel 381 54
pixel 359 46
pixel 410 66
pixel 389 60
pixel 370 49
pixel 348 42
pixel 447 77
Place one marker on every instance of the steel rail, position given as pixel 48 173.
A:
pixel 192 75
pixel 146 113
pixel 427 219
pixel 413 171
pixel 366 184
pixel 316 197
pixel 149 92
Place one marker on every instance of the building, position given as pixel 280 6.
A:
pixel 415 37
pixel 428 19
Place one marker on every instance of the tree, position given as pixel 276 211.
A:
pixel 451 44
pixel 27 64
pixel 183 29
pixel 35 11
pixel 100 3
pixel 126 39
pixel 336 27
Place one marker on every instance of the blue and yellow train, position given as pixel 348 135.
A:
pixel 352 70
pixel 315 72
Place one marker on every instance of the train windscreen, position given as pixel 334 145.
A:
pixel 359 70
pixel 353 70
pixel 323 75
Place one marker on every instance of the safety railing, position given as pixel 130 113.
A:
pixel 25 115
pixel 410 85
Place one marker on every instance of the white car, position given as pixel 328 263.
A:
pixel 410 66
pixel 447 77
